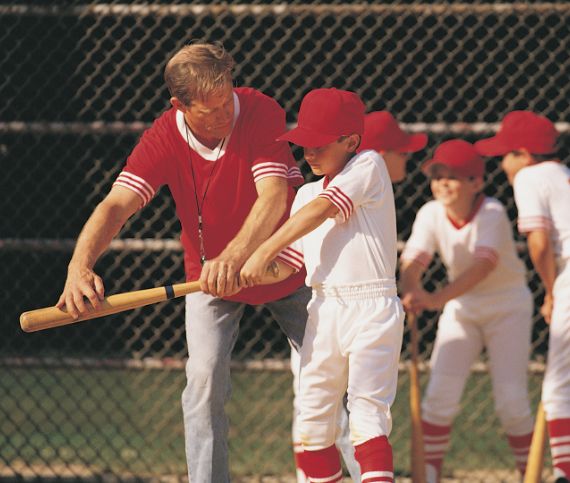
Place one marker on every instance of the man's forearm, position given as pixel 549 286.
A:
pixel 258 226
pixel 95 237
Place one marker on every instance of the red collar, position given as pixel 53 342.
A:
pixel 476 207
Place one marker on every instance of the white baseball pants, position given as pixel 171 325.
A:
pixel 352 344
pixel 556 387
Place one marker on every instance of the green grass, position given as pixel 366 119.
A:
pixel 130 422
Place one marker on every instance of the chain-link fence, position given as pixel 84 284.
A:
pixel 78 84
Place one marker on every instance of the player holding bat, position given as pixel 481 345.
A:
pixel 541 185
pixel 343 230
pixel 485 304
pixel 232 183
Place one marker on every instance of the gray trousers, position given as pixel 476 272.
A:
pixel 211 332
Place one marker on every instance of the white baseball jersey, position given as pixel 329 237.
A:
pixel 351 264
pixel 488 235
pixel 359 245
pixel 542 195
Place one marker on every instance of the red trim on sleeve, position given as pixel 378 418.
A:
pixel 292 257
pixel 339 199
pixel 488 254
pixel 532 223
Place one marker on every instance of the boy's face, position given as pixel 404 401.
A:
pixel 452 190
pixel 396 164
pixel 514 161
pixel 330 159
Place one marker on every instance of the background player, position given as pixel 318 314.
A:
pixel 541 185
pixel 343 229
pixel 383 134
pixel 485 304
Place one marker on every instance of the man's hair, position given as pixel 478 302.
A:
pixel 197 70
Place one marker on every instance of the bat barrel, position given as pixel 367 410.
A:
pixel 417 444
pixel 50 317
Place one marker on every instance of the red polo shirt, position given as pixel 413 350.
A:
pixel 164 157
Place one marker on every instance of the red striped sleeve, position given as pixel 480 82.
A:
pixel 337 197
pixel 136 184
pixel 266 170
pixel 292 257
pixel 411 254
pixel 488 254
pixel 531 223
pixel 295 176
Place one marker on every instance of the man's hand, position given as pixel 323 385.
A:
pixel 546 309
pixel 81 283
pixel 220 277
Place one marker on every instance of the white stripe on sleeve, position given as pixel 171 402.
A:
pixel 136 184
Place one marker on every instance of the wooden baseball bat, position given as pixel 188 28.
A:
pixel 417 446
pixel 533 473
pixel 49 317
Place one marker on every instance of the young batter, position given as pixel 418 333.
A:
pixel 485 304
pixel 541 185
pixel 343 230
pixel 383 134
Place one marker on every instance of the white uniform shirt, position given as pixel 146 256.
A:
pixel 359 245
pixel 542 195
pixel 487 235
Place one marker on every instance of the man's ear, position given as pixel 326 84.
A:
pixel 177 104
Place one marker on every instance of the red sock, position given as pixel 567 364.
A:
pixel 559 431
pixel 323 464
pixel 520 446
pixel 436 442
pixel 297 450
pixel 376 462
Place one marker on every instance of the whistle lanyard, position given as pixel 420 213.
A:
pixel 200 206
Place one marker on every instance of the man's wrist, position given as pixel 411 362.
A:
pixel 78 265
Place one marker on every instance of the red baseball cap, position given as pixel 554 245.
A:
pixel 383 133
pixel 521 129
pixel 460 156
pixel 324 116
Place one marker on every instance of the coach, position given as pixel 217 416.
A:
pixel 232 183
